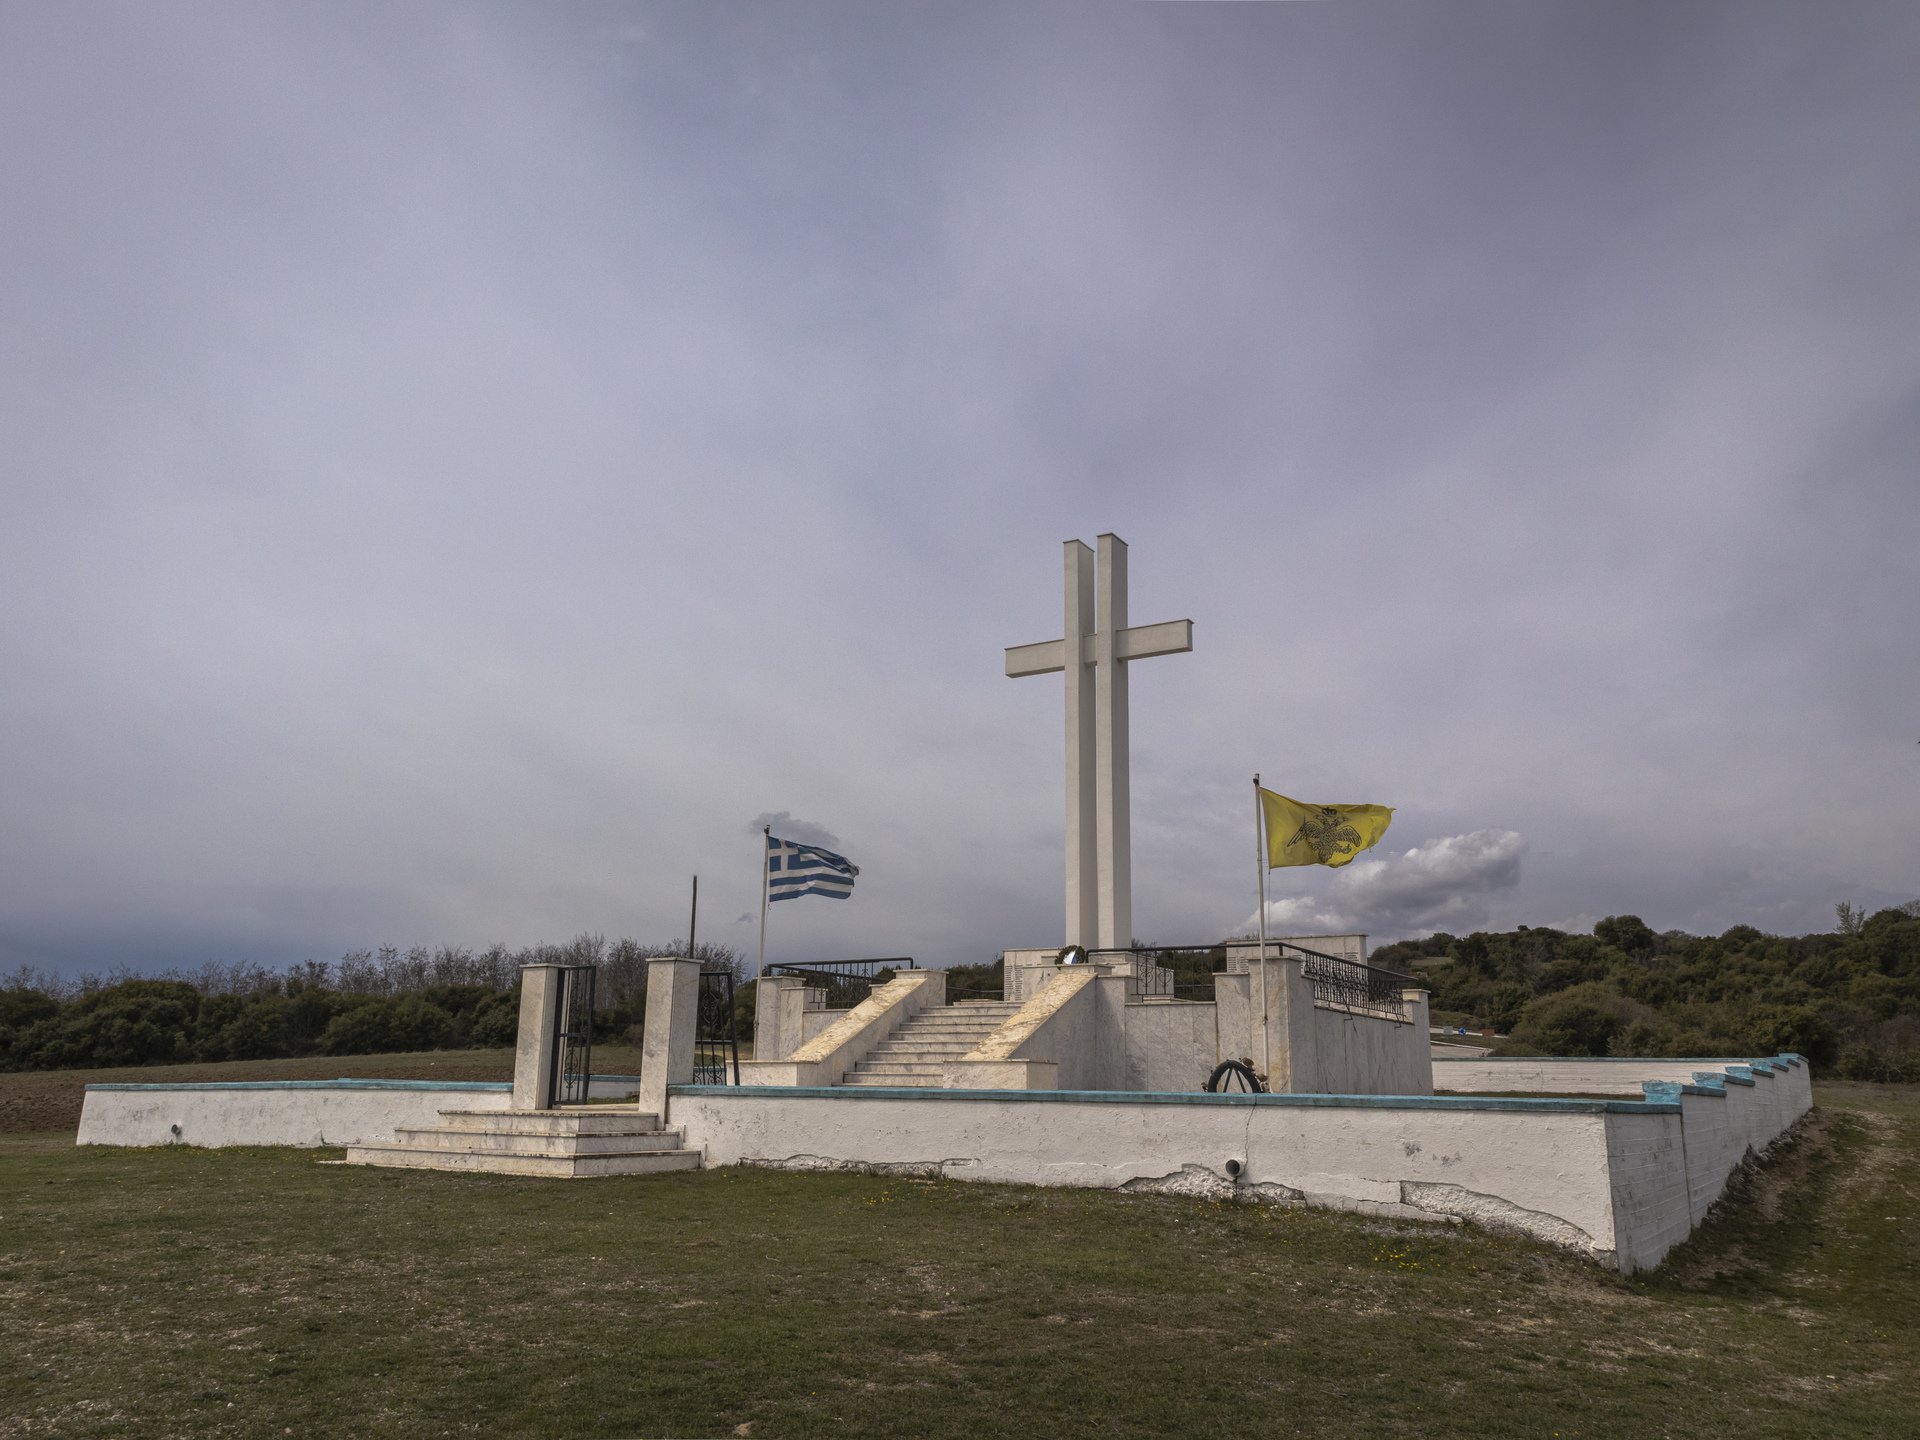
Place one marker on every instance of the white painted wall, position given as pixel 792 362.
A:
pixel 275 1112
pixel 1595 1176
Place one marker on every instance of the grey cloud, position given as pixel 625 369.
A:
pixel 785 827
pixel 457 456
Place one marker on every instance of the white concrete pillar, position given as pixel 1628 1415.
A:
pixel 533 1052
pixel 1419 1046
pixel 1286 1043
pixel 673 1013
pixel 1083 812
pixel 779 1011
pixel 1111 749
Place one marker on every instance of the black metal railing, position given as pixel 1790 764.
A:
pixel 1177 972
pixel 1351 984
pixel 571 1079
pixel 843 984
pixel 1186 972
pixel 716 1049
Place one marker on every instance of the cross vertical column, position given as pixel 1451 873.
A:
pixel 1111 748
pixel 1083 873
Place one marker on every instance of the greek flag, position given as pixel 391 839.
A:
pixel 794 870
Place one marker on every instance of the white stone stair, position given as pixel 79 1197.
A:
pixel 913 1054
pixel 569 1144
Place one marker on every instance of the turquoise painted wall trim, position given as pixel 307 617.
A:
pixel 1123 1097
pixel 464 1085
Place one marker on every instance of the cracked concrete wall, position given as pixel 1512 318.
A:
pixel 1543 1173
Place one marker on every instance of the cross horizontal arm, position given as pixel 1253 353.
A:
pixel 1042 659
pixel 1142 642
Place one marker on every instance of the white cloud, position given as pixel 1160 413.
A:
pixel 1441 885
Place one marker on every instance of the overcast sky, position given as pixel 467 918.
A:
pixel 461 464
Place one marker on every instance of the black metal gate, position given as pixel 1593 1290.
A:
pixel 714 1045
pixel 573 1036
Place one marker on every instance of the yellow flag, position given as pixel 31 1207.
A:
pixel 1299 834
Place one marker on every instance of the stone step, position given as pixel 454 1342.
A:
pixel 890 1047
pixel 896 1082
pixel 521 1142
pixel 560 1167
pixel 573 1120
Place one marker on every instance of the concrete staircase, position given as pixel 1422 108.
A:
pixel 915 1052
pixel 573 1143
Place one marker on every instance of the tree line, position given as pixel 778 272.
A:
pixel 1848 1000
pixel 370 1002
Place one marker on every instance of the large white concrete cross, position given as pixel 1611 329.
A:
pixel 1099 871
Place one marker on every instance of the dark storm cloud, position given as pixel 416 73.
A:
pixel 456 458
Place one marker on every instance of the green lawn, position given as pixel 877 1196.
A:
pixel 262 1293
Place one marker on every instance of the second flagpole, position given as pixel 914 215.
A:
pixel 1260 886
pixel 761 968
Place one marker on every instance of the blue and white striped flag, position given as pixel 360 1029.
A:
pixel 794 870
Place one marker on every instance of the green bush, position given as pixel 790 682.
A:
pixel 138 1022
pixel 385 1026
pixel 496 1021
pixel 1576 1022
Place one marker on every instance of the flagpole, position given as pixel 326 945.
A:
pixel 693 919
pixel 761 968
pixel 1260 877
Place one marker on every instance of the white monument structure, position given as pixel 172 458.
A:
pixel 1094 651
pixel 1084 1074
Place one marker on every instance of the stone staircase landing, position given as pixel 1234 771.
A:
pixel 570 1144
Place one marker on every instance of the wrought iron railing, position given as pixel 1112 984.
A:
pixel 1170 972
pixel 1351 984
pixel 716 1050
pixel 843 984
pixel 1186 972
pixel 573 1036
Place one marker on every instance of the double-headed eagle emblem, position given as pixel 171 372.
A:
pixel 1328 833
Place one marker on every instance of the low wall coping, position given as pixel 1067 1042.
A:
pixel 320 1085
pixel 1602 1059
pixel 1162 1097
pixel 1682 1087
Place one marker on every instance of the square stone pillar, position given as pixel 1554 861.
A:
pixel 1284 1040
pixel 673 1014
pixel 533 1052
pixel 779 1009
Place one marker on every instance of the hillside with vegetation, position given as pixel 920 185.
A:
pixel 1848 1000
pixel 369 1003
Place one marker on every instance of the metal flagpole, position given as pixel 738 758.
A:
pixel 1260 875
pixel 761 968
pixel 693 919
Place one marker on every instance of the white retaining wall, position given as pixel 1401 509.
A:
pixel 275 1112
pixel 1618 1180
pixel 1604 1178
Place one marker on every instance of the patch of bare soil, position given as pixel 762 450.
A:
pixel 39 1101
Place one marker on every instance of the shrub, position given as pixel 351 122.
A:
pixel 387 1025
pixel 138 1022
pixel 1799 1029
pixel 496 1021
pixel 1576 1022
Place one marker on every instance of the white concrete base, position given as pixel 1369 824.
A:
pixel 573 1143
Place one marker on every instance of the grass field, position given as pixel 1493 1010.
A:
pixel 181 1292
